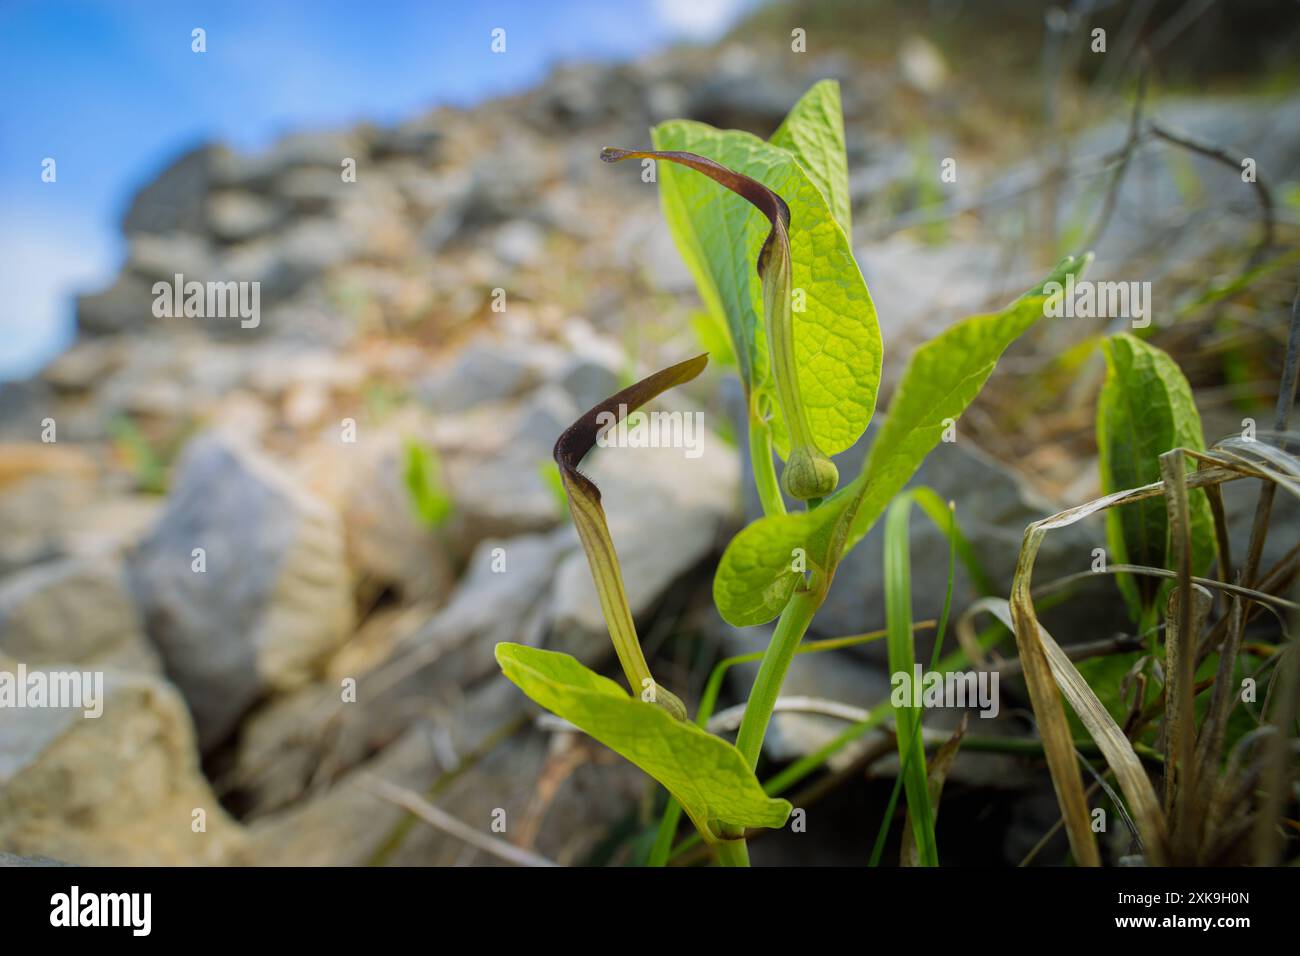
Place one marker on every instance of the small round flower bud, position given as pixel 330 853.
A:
pixel 809 474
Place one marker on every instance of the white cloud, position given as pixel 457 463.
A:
pixel 697 19
pixel 44 261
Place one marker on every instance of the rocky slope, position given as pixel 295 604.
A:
pixel 224 524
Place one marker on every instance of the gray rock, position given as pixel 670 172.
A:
pixel 299 151
pixel 519 243
pixel 163 256
pixel 275 598
pixel 117 790
pixel 592 368
pixel 173 201
pixel 237 216
pixel 506 184
pixel 314 192
pixel 124 306
pixel 22 406
pixel 654 251
pixel 285 263
pixel 576 96
pixel 44 487
pixel 78 611
pixel 10 859
pixel 84 366
pixel 387 546
pixel 308 249
pixel 499 491
pixel 346 825
pixel 488 369
pixel 919 289
pixel 742 95
pixel 922 65
pixel 1156 228
pixel 422 678
pixel 431 192
pixel 563 795
pixel 421 138
pixel 504 596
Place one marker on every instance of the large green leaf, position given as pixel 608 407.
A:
pixel 836 336
pixel 1144 410
pixel 942 378
pixel 814 133
pixel 706 774
pixel 763 564
pixel 760 567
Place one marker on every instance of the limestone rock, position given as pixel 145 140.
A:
pixel 275 598
pixel 76 610
pixel 118 790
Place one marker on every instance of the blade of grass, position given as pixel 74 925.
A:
pixel 672 814
pixel 902 660
pixel 1180 654
pixel 878 849
pixel 801 768
pixel 939 768
pixel 1049 674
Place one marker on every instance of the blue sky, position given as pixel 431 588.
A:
pixel 112 91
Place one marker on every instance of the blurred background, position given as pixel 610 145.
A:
pixel 244 524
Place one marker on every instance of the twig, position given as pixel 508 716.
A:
pixel 441 820
pixel 1176 24
pixel 1260 596
pixel 1119 644
pixel 1265 845
pixel 1222 155
pixel 729 719
pixel 1125 154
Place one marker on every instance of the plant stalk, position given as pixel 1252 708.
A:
pixel 734 852
pixel 790 629
pixel 760 459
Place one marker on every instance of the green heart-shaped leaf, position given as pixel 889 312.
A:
pixel 706 774
pixel 1146 409
pixel 813 132
pixel 758 571
pixel 836 336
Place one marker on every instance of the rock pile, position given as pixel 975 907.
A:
pixel 212 507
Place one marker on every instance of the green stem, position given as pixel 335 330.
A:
pixel 663 845
pixel 804 766
pixel 796 617
pixel 733 852
pixel 760 458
